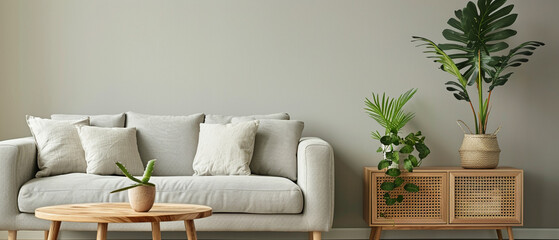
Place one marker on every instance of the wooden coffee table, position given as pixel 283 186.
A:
pixel 105 213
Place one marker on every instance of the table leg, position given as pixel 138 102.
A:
pixel 499 234
pixel 190 229
pixel 53 231
pixel 155 231
pixel 509 231
pixel 101 231
pixel 47 235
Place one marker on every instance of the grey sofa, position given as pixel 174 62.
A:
pixel 240 203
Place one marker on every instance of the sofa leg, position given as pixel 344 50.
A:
pixel 12 235
pixel 316 235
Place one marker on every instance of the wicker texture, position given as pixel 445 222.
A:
pixel 479 151
pixel 422 205
pixel 484 197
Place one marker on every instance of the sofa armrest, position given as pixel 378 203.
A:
pixel 315 177
pixel 17 166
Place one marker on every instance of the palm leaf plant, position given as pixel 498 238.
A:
pixel 389 113
pixel 477 33
pixel 143 182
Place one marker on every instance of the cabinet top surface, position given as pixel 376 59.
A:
pixel 443 169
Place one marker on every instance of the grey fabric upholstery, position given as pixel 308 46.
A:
pixel 315 168
pixel 240 194
pixel 223 119
pixel 275 148
pixel 19 160
pixel 112 120
pixel 172 140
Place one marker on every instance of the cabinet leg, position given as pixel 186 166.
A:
pixel 372 235
pixel 377 233
pixel 499 234
pixel 509 231
pixel 12 235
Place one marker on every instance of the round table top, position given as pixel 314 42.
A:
pixel 122 213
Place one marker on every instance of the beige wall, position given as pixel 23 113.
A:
pixel 317 60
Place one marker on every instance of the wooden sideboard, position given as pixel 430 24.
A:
pixel 449 198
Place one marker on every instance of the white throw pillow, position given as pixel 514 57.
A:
pixel 225 149
pixel 105 146
pixel 59 150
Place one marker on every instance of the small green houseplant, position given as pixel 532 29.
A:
pixel 396 150
pixel 141 194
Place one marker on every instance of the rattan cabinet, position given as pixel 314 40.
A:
pixel 449 198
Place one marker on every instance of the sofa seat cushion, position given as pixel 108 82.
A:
pixel 226 194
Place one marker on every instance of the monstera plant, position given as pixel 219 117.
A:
pixel 477 36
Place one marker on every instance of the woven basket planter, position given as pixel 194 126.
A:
pixel 479 151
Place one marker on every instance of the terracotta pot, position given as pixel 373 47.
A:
pixel 141 198
pixel 479 151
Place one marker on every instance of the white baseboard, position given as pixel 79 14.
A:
pixel 334 234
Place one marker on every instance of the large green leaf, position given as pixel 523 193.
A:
pixel 478 31
pixel 423 150
pixel 513 59
pixel 384 164
pixel 448 65
pixel 394 172
pixel 410 187
pixel 406 149
pixel 408 165
pixel 391 201
pixel 398 181
pixel 387 186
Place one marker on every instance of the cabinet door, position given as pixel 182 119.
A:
pixel 428 206
pixel 486 196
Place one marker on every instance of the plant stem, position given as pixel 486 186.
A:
pixel 480 94
pixel 475 116
pixel 487 110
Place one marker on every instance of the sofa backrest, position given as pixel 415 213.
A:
pixel 172 140
pixel 107 120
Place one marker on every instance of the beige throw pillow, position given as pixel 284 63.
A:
pixel 172 140
pixel 275 148
pixel 225 149
pixel 105 146
pixel 59 150
pixel 113 120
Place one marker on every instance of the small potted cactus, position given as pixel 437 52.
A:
pixel 141 194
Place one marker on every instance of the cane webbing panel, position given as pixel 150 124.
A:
pixel 423 205
pixel 482 197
